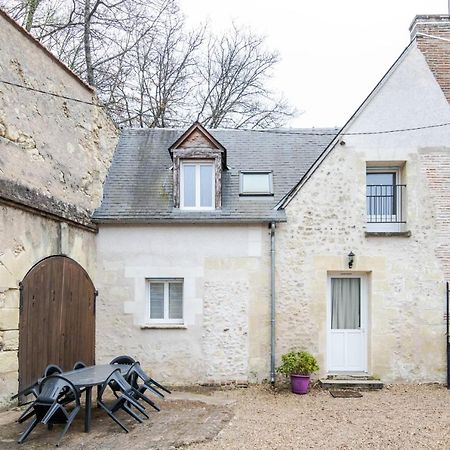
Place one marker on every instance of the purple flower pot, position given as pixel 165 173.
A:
pixel 299 383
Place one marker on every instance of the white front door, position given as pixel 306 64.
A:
pixel 347 324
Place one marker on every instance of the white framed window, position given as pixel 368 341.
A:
pixel 385 198
pixel 197 185
pixel 256 183
pixel 165 300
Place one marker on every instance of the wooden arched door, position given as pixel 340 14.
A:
pixel 57 317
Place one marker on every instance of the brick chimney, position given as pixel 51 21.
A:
pixel 432 34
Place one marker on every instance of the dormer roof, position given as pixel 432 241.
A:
pixel 197 136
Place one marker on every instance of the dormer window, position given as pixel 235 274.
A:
pixel 198 162
pixel 197 185
pixel 256 183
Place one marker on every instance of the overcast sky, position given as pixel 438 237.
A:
pixel 332 52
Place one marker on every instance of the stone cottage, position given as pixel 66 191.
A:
pixel 218 250
pixel 56 144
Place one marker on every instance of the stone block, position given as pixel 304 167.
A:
pixel 9 385
pixel 10 298
pixel 9 319
pixel 11 340
pixel 8 362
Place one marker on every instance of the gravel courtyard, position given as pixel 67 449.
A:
pixel 398 417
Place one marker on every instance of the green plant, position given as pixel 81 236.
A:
pixel 299 363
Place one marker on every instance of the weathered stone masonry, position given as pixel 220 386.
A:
pixel 54 155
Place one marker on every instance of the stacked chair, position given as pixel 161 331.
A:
pixel 33 389
pixel 50 408
pixel 57 399
pixel 128 391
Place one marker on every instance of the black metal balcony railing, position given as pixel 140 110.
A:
pixel 385 203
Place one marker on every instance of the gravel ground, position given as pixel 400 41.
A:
pixel 398 417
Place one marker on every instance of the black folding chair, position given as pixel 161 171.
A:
pixel 52 369
pixel 136 372
pixel 79 365
pixel 126 396
pixel 48 407
pixel 124 359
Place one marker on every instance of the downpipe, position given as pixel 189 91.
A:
pixel 447 335
pixel 272 303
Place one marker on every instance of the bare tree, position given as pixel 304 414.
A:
pixel 234 89
pixel 161 75
pixel 150 71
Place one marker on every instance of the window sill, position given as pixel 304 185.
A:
pixel 265 194
pixel 388 233
pixel 163 326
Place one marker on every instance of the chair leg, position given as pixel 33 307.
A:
pixel 113 417
pixel 150 388
pixel 159 385
pixel 133 402
pixel 131 413
pixel 146 399
pixel 25 434
pixel 69 422
pixel 26 414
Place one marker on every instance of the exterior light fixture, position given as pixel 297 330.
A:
pixel 351 259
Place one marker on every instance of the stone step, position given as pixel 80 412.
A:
pixel 358 383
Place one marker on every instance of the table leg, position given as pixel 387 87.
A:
pixel 88 413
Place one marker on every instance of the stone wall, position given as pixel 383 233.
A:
pixel 59 147
pixel 25 239
pixel 54 155
pixel 226 277
pixel 327 220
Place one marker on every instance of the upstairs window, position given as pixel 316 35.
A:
pixel 197 187
pixel 166 300
pixel 256 183
pixel 385 199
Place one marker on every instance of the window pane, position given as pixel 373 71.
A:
pixel 345 303
pixel 189 184
pixel 206 183
pixel 156 300
pixel 381 194
pixel 385 179
pixel 256 183
pixel 175 300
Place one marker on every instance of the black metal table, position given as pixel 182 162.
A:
pixel 89 377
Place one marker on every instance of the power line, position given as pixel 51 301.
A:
pixel 361 133
pixel 40 91
pixel 273 131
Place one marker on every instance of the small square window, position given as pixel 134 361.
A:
pixel 165 300
pixel 256 183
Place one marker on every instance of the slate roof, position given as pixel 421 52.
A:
pixel 139 186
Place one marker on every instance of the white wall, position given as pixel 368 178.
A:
pixel 226 277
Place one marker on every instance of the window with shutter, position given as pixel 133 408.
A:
pixel 166 300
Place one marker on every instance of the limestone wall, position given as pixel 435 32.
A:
pixel 59 147
pixel 327 220
pixel 226 276
pixel 25 239
pixel 54 154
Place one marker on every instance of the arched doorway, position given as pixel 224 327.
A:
pixel 57 317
